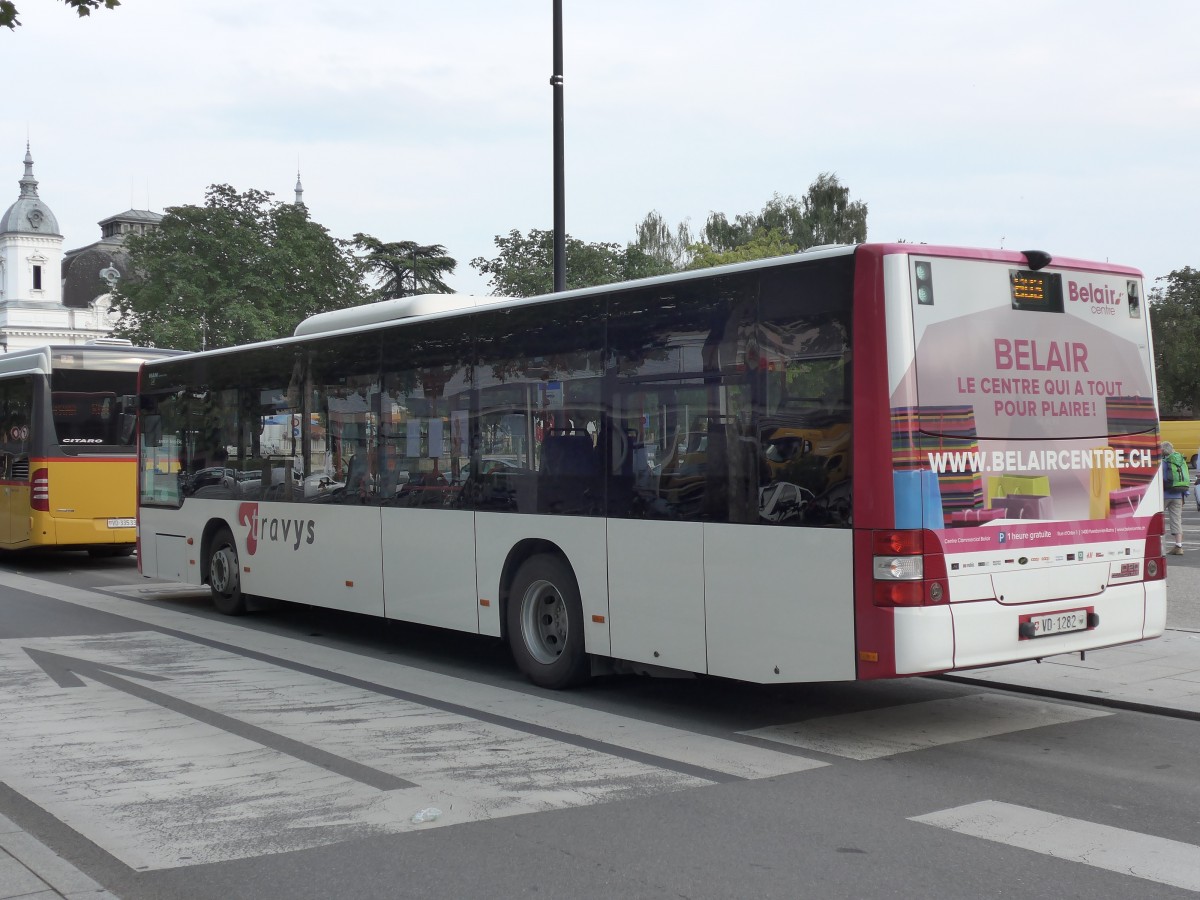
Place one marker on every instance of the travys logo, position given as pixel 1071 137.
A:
pixel 274 529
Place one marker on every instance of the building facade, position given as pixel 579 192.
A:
pixel 48 296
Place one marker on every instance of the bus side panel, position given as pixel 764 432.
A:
pixel 306 552
pixel 429 567
pixel 788 615
pixel 657 606
pixel 14 513
pixel 582 542
pixel 164 551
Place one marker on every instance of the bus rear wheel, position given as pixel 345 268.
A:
pixel 545 623
pixel 224 575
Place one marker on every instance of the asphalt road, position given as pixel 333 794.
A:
pixel 169 752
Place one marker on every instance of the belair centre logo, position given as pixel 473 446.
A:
pixel 274 529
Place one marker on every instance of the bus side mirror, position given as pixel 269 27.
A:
pixel 151 431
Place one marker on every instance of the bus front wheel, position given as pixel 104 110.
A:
pixel 224 575
pixel 545 623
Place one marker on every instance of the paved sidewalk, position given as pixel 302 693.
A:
pixel 29 869
pixel 1162 674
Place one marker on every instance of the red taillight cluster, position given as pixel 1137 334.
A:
pixel 39 494
pixel 1155 566
pixel 909 569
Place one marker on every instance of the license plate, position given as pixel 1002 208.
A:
pixel 1059 622
pixel 122 523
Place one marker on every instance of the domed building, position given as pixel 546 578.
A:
pixel 47 297
pixel 89 273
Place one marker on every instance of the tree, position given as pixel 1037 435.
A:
pixel 762 245
pixel 404 268
pixel 8 10
pixel 824 215
pixel 1175 327
pixel 525 266
pixel 829 217
pixel 666 250
pixel 239 269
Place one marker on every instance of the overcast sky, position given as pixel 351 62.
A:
pixel 1071 127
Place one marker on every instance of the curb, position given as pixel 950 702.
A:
pixel 1110 702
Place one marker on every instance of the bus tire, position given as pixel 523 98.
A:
pixel 545 623
pixel 224 575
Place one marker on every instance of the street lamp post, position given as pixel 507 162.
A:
pixel 560 210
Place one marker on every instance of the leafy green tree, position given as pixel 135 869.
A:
pixel 1175 326
pixel 8 9
pixel 763 244
pixel 525 265
pixel 404 268
pixel 828 216
pixel 241 268
pixel 824 215
pixel 666 249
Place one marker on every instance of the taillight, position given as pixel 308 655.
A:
pixel 909 568
pixel 39 494
pixel 1155 565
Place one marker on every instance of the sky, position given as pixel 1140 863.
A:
pixel 1070 127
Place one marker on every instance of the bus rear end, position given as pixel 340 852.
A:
pixel 84 487
pixel 1018 514
pixel 74 483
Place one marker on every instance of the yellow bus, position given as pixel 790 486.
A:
pixel 1184 435
pixel 68 458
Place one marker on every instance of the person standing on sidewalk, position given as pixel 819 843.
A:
pixel 1175 487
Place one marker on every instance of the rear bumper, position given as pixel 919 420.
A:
pixel 56 532
pixel 980 633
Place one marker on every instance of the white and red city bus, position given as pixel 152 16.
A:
pixel 855 462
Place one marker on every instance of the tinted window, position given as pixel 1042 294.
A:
pixel 682 401
pixel 538 425
pixel 16 402
pixel 424 447
pixel 93 409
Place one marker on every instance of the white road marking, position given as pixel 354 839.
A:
pixel 1114 849
pixel 732 758
pixel 160 787
pixel 157 788
pixel 918 726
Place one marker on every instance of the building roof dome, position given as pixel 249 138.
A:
pixel 29 215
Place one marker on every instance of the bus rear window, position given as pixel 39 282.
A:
pixel 93 410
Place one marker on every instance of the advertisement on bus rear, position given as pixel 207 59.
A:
pixel 1027 416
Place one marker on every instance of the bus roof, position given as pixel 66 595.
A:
pixel 111 357
pixel 422 306
pixel 435 304
pixel 1017 257
pixel 390 311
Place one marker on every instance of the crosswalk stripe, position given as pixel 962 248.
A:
pixel 732 758
pixel 1115 849
pixel 876 733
